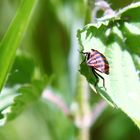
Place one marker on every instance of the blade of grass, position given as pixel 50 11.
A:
pixel 13 37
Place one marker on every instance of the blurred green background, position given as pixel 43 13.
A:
pixel 51 44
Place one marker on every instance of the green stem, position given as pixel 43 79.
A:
pixel 83 113
pixel 84 134
pixel 83 118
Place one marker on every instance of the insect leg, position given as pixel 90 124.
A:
pixel 101 78
pixel 95 74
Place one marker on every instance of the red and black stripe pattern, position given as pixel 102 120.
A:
pixel 98 61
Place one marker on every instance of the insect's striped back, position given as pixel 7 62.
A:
pixel 98 62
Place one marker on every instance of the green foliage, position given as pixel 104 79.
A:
pixel 22 70
pixel 13 37
pixel 49 47
pixel 27 94
pixel 21 90
pixel 118 39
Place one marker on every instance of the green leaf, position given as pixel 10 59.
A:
pixel 22 70
pixel 118 39
pixel 15 100
pixel 13 37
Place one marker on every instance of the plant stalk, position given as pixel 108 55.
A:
pixel 83 117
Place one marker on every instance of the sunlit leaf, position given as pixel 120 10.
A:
pixel 118 39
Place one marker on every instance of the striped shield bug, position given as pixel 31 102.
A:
pixel 97 62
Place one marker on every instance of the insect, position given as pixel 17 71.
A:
pixel 98 62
